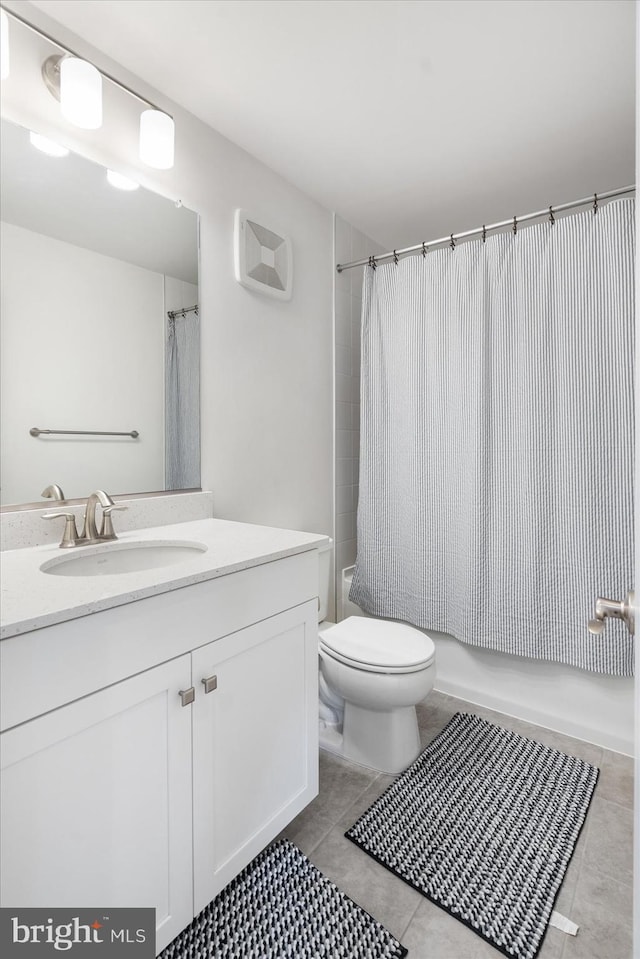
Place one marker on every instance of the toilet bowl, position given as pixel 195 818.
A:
pixel 373 672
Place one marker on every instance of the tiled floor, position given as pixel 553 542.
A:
pixel 596 893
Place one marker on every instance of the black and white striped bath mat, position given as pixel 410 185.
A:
pixel 483 823
pixel 282 907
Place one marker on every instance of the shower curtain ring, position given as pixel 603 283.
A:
pixel 424 249
pixel 484 233
pixel 372 262
pixel 595 202
pixel 552 218
pixel 395 257
pixel 515 226
pixel 453 243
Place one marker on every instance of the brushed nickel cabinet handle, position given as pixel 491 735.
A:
pixel 187 696
pixel 210 683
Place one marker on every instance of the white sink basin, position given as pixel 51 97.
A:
pixel 116 558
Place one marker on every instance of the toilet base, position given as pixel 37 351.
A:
pixel 385 741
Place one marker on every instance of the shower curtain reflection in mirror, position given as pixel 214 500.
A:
pixel 182 401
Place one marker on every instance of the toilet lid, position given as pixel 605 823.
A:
pixel 378 645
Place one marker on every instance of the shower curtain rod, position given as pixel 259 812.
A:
pixel 188 309
pixel 482 231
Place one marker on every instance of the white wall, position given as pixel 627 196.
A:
pixel 82 349
pixel 178 294
pixel 266 365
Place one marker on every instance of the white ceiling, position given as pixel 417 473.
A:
pixel 410 118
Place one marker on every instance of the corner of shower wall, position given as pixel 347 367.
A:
pixel 349 244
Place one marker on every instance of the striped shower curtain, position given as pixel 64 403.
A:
pixel 182 402
pixel 497 439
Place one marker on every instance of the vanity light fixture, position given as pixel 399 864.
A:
pixel 4 45
pixel 45 145
pixel 157 139
pixel 121 182
pixel 77 84
pixel 80 93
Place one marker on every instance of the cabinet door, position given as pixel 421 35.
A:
pixel 96 802
pixel 255 742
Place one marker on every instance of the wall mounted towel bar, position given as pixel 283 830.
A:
pixel 34 431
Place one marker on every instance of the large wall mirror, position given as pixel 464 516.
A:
pixel 100 331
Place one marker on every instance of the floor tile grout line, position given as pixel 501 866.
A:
pixel 321 840
pixel 597 870
pixel 412 917
pixel 612 802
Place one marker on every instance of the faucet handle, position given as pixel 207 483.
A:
pixel 106 529
pixel 615 609
pixel 70 535
pixel 53 491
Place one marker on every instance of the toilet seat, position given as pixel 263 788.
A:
pixel 377 646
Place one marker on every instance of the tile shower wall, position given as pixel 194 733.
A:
pixel 349 244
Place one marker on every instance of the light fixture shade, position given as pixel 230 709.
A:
pixel 80 93
pixel 4 45
pixel 157 134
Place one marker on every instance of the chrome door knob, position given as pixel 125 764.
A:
pixel 613 609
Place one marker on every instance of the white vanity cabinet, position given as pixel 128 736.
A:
pixel 96 802
pixel 254 742
pixel 121 795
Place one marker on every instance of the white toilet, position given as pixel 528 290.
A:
pixel 373 672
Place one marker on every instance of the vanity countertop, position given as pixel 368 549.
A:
pixel 32 599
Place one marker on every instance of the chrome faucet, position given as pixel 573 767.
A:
pixel 89 532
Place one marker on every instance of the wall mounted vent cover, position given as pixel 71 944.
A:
pixel 262 258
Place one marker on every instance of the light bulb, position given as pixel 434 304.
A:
pixel 4 45
pixel 157 139
pixel 45 145
pixel 121 182
pixel 81 93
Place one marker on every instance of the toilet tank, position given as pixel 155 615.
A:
pixel 324 579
